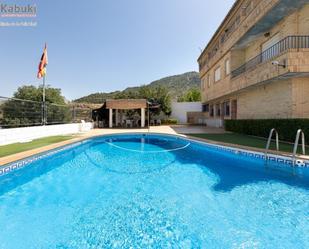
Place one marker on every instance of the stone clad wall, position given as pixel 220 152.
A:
pixel 297 61
pixel 260 8
pixel 286 27
pixel 300 96
pixel 279 92
pixel 266 101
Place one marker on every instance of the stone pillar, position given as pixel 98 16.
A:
pixel 117 117
pixel 142 117
pixel 110 118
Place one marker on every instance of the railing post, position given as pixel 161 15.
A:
pixel 74 115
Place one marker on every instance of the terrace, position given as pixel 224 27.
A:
pixel 287 45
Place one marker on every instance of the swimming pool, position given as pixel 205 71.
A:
pixel 153 191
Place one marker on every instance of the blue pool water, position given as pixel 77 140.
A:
pixel 153 191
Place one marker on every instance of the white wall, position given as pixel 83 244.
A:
pixel 180 109
pixel 16 135
pixel 214 122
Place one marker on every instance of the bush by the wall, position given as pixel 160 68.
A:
pixel 286 128
pixel 169 121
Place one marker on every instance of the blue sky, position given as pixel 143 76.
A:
pixel 107 45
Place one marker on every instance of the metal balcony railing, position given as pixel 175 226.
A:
pixel 289 42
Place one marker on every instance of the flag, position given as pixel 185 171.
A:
pixel 43 64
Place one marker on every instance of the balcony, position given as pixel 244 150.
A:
pixel 289 42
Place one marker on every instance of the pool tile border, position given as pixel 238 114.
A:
pixel 244 152
pixel 13 166
pixel 7 168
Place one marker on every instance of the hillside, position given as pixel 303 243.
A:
pixel 177 85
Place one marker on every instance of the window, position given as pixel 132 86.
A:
pixel 208 81
pixel 234 109
pixel 218 74
pixel 268 50
pixel 211 111
pixel 203 84
pixel 227 67
pixel 205 107
pixel 248 8
pixel 226 107
pixel 218 110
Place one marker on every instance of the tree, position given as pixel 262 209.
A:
pixel 27 110
pixel 52 95
pixel 126 95
pixel 163 98
pixel 159 95
pixel 193 95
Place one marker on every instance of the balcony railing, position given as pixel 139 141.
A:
pixel 289 42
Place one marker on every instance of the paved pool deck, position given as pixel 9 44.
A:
pixel 195 129
pixel 164 129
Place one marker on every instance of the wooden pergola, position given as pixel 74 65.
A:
pixel 125 104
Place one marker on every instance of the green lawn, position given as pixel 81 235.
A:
pixel 19 147
pixel 245 140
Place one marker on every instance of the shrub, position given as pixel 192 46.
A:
pixel 286 128
pixel 169 121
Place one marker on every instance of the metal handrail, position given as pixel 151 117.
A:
pixel 269 141
pixel 289 42
pixel 299 132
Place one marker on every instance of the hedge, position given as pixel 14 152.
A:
pixel 286 128
pixel 169 121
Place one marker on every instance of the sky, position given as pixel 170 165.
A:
pixel 106 45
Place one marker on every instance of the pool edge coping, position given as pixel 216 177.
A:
pixel 57 147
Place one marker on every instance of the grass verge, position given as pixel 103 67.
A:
pixel 10 149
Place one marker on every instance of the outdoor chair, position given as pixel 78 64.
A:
pixel 129 123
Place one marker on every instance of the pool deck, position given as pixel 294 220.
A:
pixel 164 129
pixel 196 129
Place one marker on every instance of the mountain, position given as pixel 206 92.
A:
pixel 177 85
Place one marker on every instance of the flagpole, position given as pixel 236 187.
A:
pixel 44 104
pixel 41 74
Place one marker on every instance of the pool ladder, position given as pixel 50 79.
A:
pixel 299 132
pixel 269 141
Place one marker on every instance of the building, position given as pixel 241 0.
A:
pixel 181 110
pixel 111 113
pixel 256 66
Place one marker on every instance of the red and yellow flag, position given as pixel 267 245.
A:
pixel 43 64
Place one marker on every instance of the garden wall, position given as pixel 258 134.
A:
pixel 24 134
